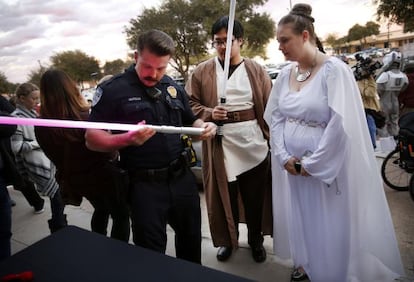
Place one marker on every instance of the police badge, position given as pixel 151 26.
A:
pixel 172 91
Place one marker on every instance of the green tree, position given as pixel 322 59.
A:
pixel 77 64
pixel 6 87
pixel 114 67
pixel 189 23
pixel 397 11
pixel 372 28
pixel 35 75
pixel 332 40
pixel 358 32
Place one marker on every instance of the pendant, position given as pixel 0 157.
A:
pixel 301 77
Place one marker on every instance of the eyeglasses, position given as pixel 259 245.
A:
pixel 219 43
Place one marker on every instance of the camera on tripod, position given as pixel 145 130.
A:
pixel 365 67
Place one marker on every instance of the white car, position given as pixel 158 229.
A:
pixel 274 70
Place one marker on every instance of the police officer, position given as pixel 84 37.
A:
pixel 163 189
pixel 389 85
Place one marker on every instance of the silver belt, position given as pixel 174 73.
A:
pixel 310 123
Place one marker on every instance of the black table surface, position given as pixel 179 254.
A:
pixel 74 254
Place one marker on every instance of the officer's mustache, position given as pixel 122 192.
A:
pixel 149 78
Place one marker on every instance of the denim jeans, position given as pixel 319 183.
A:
pixel 372 129
pixel 5 220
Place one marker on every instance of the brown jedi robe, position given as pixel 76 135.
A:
pixel 202 88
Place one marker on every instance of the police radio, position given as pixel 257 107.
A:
pixel 153 92
pixel 189 153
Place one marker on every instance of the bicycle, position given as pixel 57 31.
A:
pixel 395 173
pixel 398 166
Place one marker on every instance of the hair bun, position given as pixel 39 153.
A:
pixel 303 10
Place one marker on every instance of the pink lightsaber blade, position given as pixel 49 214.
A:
pixel 99 125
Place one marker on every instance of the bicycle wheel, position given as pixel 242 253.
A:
pixel 412 187
pixel 393 174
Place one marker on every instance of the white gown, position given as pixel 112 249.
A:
pixel 335 223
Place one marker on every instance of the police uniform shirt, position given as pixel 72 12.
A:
pixel 124 99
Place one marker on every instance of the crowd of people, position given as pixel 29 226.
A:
pixel 293 160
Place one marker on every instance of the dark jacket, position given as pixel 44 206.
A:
pixel 80 171
pixel 11 173
pixel 406 97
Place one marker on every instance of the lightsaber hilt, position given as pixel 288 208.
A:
pixel 219 133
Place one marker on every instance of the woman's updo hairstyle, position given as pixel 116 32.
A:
pixel 303 10
pixel 300 18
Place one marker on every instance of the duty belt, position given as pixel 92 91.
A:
pixel 174 169
pixel 239 116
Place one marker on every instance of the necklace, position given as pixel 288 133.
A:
pixel 301 77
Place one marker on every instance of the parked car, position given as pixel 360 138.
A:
pixel 374 52
pixel 274 70
pixel 343 58
pixel 349 56
pixel 273 74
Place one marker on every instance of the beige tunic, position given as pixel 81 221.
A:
pixel 202 88
pixel 244 146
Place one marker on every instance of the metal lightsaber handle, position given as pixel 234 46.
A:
pixel 99 125
pixel 219 132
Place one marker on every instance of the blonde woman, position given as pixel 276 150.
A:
pixel 32 163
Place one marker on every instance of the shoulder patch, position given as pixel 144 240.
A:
pixel 97 96
pixel 172 91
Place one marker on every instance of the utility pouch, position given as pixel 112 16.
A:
pixel 189 153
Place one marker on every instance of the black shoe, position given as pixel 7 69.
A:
pixel 224 253
pixel 298 275
pixel 259 253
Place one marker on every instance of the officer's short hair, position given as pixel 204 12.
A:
pixel 157 41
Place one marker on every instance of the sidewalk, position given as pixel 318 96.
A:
pixel 29 228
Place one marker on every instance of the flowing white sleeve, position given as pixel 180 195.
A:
pixel 369 214
pixel 276 121
pixel 326 162
pixel 343 96
pixel 277 140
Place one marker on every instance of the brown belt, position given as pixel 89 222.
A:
pixel 239 116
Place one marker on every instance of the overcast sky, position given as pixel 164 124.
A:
pixel 33 30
